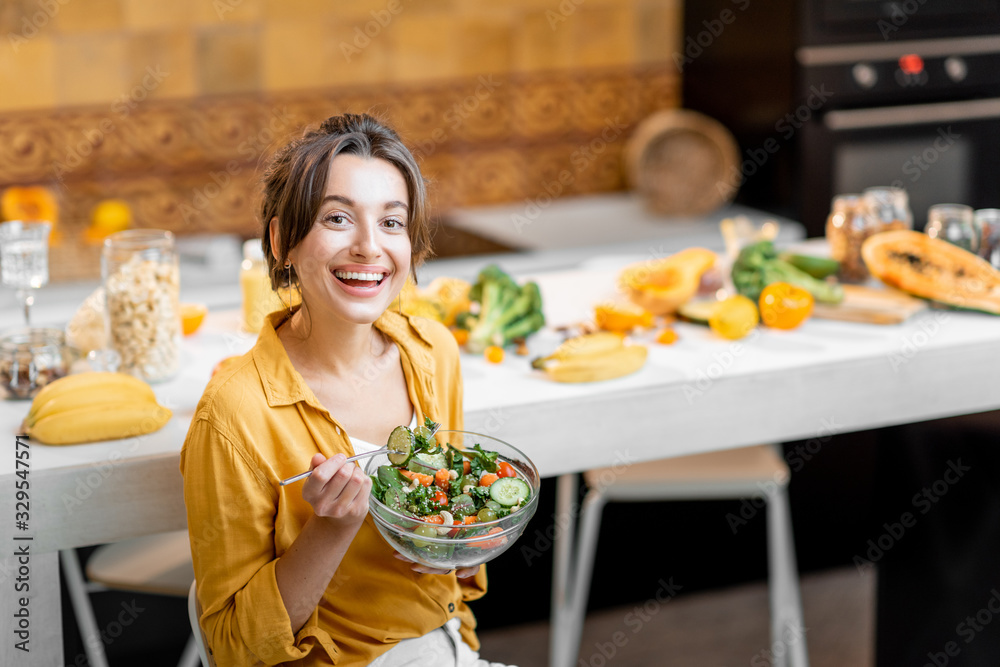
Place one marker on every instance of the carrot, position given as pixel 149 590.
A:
pixel 434 518
pixel 421 478
pixel 488 479
pixel 470 519
pixel 494 354
pixel 443 478
pixel 491 544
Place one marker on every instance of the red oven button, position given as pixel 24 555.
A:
pixel 911 64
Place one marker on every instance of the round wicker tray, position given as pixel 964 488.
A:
pixel 683 163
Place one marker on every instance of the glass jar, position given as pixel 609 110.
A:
pixel 987 222
pixel 142 294
pixel 30 358
pixel 259 300
pixel 850 223
pixel 891 206
pixel 954 223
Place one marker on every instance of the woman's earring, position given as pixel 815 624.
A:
pixel 288 267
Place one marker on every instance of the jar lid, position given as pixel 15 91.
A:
pixel 31 338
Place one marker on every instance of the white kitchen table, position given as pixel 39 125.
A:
pixel 700 394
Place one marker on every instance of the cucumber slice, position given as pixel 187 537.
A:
pixel 509 491
pixel 400 445
pixel 427 464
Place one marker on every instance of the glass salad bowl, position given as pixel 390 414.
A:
pixel 458 545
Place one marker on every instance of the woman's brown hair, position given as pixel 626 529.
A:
pixel 295 182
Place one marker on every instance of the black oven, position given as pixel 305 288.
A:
pixel 913 100
pixel 832 96
pixel 923 115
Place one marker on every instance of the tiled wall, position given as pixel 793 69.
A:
pixel 187 84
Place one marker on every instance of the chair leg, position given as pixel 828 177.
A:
pixel 787 629
pixel 564 548
pixel 590 525
pixel 73 576
pixel 190 657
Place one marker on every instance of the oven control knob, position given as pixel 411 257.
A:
pixel 864 75
pixel 956 68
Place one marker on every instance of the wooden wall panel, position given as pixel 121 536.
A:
pixel 192 166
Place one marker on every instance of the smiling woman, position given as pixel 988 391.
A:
pixel 296 574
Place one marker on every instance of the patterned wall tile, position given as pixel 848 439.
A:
pixel 194 166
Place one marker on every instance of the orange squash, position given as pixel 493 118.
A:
pixel 661 286
pixel 933 269
pixel 621 317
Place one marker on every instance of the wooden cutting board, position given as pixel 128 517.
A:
pixel 871 305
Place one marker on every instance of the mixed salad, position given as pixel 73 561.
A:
pixel 446 487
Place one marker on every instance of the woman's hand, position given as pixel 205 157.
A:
pixel 461 573
pixel 337 491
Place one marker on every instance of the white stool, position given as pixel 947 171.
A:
pixel 739 473
pixel 159 564
pixel 194 616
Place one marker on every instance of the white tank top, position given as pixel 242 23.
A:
pixel 363 446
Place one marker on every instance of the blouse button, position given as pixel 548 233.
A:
pixel 451 606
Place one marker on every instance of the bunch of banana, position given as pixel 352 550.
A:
pixel 91 406
pixel 592 357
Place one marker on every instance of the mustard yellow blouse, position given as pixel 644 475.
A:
pixel 257 423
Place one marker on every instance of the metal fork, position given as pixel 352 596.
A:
pixel 376 452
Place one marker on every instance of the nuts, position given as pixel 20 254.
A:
pixel 143 317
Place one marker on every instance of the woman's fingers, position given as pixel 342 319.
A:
pixel 337 489
pixel 466 572
pixel 463 573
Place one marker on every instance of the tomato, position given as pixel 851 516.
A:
pixel 440 497
pixel 506 470
pixel 466 466
pixel 785 306
pixel 734 318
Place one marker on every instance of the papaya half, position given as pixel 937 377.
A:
pixel 933 269
pixel 661 286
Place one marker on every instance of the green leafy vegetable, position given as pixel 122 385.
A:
pixel 758 265
pixel 506 310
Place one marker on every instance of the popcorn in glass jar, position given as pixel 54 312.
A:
pixel 142 293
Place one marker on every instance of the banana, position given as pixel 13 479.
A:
pixel 99 388
pixel 89 389
pixel 586 345
pixel 600 366
pixel 108 421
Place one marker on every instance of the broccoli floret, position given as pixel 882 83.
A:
pixel 506 310
pixel 758 265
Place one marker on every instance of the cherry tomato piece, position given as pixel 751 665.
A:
pixel 506 470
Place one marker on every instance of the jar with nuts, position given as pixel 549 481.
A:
pixel 851 221
pixel 142 294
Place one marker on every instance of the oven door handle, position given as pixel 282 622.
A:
pixel 912 114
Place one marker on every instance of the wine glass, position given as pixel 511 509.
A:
pixel 24 259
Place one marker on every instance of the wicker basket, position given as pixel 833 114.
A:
pixel 683 163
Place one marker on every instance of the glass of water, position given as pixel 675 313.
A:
pixel 24 259
pixel 954 223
